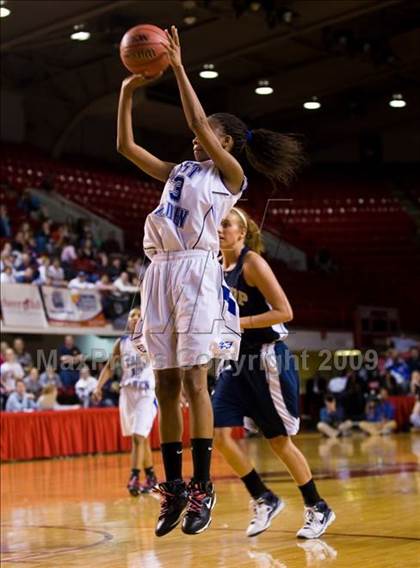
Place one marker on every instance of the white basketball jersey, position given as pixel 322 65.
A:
pixel 136 369
pixel 194 201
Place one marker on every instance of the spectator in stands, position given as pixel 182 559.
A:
pixel 32 384
pixel 26 277
pixel 123 284
pixel 353 398
pixel 331 419
pixel 10 371
pixel 413 361
pixel 390 383
pixel 4 346
pixel 102 261
pixel 104 283
pixel 111 244
pixel 380 416
pixel 43 237
pixel 50 377
pixel 5 228
pixel 85 387
pixel 18 242
pixel 55 273
pixel 25 262
pixel 19 401
pixel 324 262
pixel 22 356
pixel 70 358
pixel 80 282
pixel 7 276
pixel 398 368
pixel 29 203
pixel 48 400
pixel 68 253
pixel 43 265
pixel 116 268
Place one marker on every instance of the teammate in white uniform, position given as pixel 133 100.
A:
pixel 188 313
pixel 138 404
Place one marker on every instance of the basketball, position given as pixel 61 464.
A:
pixel 141 50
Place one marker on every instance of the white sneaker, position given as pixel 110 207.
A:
pixel 317 519
pixel 265 509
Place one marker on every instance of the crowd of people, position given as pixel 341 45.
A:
pixel 24 388
pixel 41 251
pixel 360 399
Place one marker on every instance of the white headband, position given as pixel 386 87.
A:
pixel 242 216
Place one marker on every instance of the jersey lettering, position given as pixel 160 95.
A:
pixel 176 214
pixel 240 297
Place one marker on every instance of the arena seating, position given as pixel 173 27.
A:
pixel 370 237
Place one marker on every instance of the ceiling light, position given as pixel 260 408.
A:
pixel 255 6
pixel 264 88
pixel 288 16
pixel 313 104
pixel 397 101
pixel 4 12
pixel 190 20
pixel 79 33
pixel 208 71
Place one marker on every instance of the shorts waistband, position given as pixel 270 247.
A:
pixel 164 256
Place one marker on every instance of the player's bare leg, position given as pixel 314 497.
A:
pixel 137 458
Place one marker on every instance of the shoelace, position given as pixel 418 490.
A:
pixel 195 500
pixel 309 517
pixel 165 496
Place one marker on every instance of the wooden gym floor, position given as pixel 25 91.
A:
pixel 76 512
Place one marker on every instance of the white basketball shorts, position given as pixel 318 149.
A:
pixel 188 313
pixel 137 412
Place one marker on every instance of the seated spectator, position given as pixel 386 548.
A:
pixel 116 268
pixel 413 361
pixel 50 377
pixel 68 254
pixel 123 284
pixel 19 400
pixel 415 383
pixel 85 386
pixel 29 203
pixel 390 383
pixel 10 371
pixel 104 283
pixel 353 398
pixel 398 368
pixel 380 416
pixel 48 400
pixel 32 384
pixel 43 237
pixel 22 356
pixel 5 229
pixel 4 346
pixel 331 419
pixel 70 358
pixel 80 282
pixel 7 276
pixel 55 273
pixel 26 277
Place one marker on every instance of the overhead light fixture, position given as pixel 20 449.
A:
pixel 4 11
pixel 264 88
pixel 287 16
pixel 208 71
pixel 79 33
pixel 190 20
pixel 255 6
pixel 312 104
pixel 397 101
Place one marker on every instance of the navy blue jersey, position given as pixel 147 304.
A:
pixel 251 303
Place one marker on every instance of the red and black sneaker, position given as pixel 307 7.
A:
pixel 133 486
pixel 201 500
pixel 174 499
pixel 151 481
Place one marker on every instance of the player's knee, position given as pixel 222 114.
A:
pixel 167 390
pixel 195 386
pixel 221 437
pixel 280 444
pixel 138 440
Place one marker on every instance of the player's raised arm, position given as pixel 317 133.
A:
pixel 231 170
pixel 126 146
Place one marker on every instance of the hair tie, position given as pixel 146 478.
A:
pixel 249 135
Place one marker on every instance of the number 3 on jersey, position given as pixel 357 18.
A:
pixel 175 193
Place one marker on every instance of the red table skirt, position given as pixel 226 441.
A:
pixel 403 407
pixel 26 436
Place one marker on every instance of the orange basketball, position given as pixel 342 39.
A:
pixel 141 50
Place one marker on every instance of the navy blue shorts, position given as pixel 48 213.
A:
pixel 263 387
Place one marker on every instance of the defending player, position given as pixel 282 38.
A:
pixel 264 384
pixel 188 313
pixel 138 405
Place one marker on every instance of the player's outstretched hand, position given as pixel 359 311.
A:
pixel 133 82
pixel 173 47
